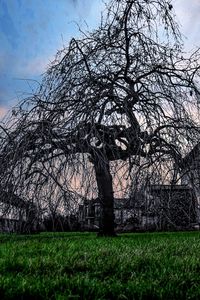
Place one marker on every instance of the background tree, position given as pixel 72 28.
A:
pixel 121 94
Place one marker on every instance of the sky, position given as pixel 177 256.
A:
pixel 31 32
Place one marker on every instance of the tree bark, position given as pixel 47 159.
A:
pixel 106 197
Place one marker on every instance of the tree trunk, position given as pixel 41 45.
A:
pixel 106 197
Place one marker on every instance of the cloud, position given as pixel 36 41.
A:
pixel 87 12
pixel 74 2
pixel 3 95
pixel 2 62
pixel 7 97
pixel 35 66
pixel 7 25
pixel 188 13
pixel 14 66
pixel 3 111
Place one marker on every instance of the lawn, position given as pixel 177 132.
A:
pixel 82 266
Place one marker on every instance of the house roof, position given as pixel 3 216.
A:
pixel 8 197
pixel 191 156
pixel 161 190
pixel 168 187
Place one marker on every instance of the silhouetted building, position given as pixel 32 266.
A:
pixel 160 207
pixel 173 206
pixel 16 215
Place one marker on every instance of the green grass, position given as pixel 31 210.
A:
pixel 82 266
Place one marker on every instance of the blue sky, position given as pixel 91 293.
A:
pixel 31 31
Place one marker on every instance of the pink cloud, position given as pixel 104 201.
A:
pixel 3 112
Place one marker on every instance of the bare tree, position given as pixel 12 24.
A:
pixel 121 93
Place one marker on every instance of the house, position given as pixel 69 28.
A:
pixel 16 215
pixel 190 173
pixel 172 206
pixel 190 169
pixel 159 207
pixel 90 211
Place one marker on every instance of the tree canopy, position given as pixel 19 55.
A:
pixel 122 94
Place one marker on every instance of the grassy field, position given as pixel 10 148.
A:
pixel 82 266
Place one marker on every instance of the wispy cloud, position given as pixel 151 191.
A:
pixel 3 111
pixel 7 25
pixel 89 12
pixel 188 14
pixel 32 31
pixel 35 66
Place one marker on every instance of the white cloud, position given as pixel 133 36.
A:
pixel 88 12
pixel 188 15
